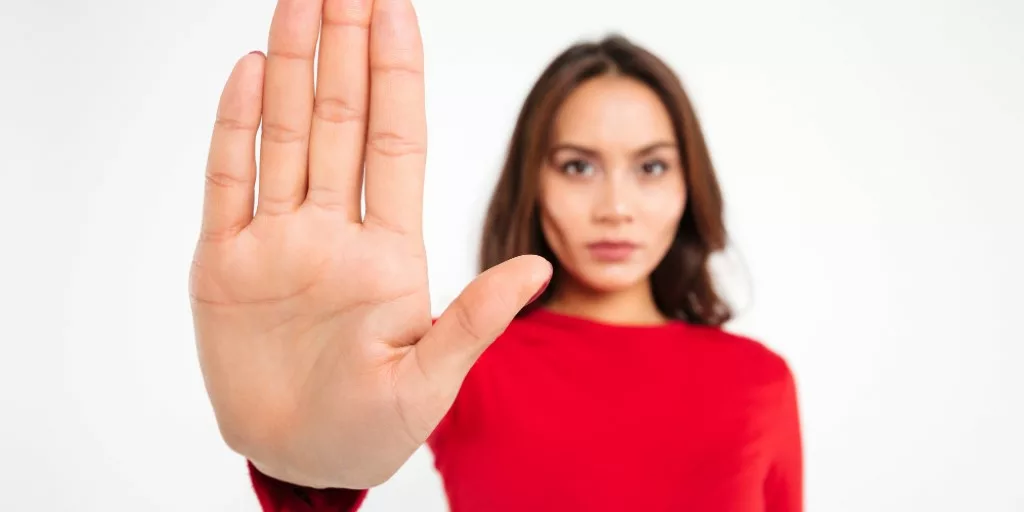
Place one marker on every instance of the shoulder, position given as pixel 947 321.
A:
pixel 743 356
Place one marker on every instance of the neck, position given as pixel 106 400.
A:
pixel 634 305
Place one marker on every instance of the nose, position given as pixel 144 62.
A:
pixel 614 203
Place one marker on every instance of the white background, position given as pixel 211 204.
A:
pixel 870 154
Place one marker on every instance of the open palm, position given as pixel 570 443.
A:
pixel 313 321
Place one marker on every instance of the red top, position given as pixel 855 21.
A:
pixel 564 413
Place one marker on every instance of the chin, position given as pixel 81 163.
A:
pixel 610 278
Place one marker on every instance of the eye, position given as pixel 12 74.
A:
pixel 579 167
pixel 655 167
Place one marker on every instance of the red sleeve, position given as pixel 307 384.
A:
pixel 784 484
pixel 277 496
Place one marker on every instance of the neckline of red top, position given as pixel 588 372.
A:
pixel 583 324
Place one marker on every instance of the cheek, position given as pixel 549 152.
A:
pixel 662 209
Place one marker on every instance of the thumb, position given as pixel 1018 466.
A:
pixel 477 317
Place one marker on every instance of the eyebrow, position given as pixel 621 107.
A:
pixel 592 152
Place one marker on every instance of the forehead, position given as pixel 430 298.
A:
pixel 612 112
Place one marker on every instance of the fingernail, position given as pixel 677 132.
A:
pixel 539 292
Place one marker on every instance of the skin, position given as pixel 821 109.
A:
pixel 613 173
pixel 313 324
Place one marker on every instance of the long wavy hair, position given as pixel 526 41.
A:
pixel 682 282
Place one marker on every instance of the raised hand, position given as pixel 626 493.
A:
pixel 312 321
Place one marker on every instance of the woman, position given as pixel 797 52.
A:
pixel 612 389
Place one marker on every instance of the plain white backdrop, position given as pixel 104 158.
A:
pixel 870 153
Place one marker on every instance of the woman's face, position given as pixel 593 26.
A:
pixel 611 188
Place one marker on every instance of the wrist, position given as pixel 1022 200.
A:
pixel 289 476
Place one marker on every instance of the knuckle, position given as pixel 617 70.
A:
pixel 390 143
pixel 337 110
pixel 287 54
pixel 211 235
pixel 385 225
pixel 225 180
pixel 282 133
pixel 233 124
pixel 406 65
pixel 328 199
pixel 274 205
pixel 346 15
pixel 466 322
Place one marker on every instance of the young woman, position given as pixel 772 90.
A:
pixel 614 388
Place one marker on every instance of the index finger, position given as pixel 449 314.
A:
pixel 397 132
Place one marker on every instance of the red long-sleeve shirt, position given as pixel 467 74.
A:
pixel 564 413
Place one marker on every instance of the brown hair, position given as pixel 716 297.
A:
pixel 682 283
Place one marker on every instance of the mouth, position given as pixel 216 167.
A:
pixel 612 250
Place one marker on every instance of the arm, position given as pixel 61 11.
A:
pixel 278 496
pixel 784 483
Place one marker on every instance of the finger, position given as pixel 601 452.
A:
pixel 473 321
pixel 288 105
pixel 397 132
pixel 231 165
pixel 338 133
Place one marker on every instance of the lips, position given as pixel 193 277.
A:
pixel 611 250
